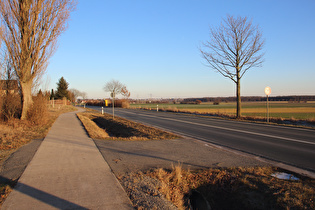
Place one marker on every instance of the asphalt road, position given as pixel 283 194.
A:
pixel 291 146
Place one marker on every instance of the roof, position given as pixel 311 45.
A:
pixel 9 85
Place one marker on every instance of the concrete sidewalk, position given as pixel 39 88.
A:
pixel 68 172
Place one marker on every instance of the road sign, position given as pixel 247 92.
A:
pixel 267 91
pixel 112 95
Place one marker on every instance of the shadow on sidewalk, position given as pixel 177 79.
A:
pixel 38 195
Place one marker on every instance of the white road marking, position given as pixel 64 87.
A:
pixel 228 129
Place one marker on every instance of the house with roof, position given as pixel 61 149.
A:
pixel 9 86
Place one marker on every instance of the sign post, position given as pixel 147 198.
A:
pixel 267 92
pixel 113 96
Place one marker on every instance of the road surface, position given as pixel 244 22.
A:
pixel 288 145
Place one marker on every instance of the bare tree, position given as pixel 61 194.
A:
pixel 125 92
pixel 30 32
pixel 234 47
pixel 113 86
pixel 75 94
pixel 83 95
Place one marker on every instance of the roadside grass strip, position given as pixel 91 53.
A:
pixel 120 128
pixel 91 127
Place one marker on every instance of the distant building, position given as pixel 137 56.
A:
pixel 10 86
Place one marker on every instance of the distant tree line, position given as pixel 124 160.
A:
pixel 252 98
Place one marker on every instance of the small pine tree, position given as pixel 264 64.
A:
pixel 52 94
pixel 62 89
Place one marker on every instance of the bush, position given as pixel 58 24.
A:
pixel 11 106
pixel 122 103
pixel 1 107
pixel 38 113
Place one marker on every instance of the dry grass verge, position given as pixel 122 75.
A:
pixel 16 133
pixel 235 188
pixel 94 131
pixel 119 128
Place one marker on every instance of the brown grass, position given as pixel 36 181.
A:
pixel 122 129
pixel 5 190
pixel 15 133
pixel 236 188
pixel 94 131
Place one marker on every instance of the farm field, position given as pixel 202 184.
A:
pixel 285 110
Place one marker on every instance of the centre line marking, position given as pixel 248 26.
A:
pixel 228 129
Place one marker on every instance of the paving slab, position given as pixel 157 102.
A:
pixel 68 172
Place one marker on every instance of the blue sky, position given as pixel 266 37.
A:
pixel 152 47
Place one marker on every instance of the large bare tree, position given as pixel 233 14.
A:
pixel 30 32
pixel 233 48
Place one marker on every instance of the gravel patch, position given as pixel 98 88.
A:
pixel 143 192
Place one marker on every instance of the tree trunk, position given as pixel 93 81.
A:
pixel 27 101
pixel 238 98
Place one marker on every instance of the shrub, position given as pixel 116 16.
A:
pixel 1 107
pixel 38 113
pixel 122 103
pixel 11 106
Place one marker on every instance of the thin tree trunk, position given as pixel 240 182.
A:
pixel 27 100
pixel 238 98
